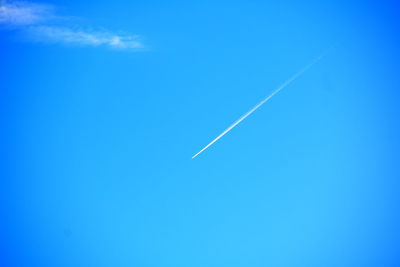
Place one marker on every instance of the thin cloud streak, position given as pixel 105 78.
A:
pixel 78 37
pixel 286 83
pixel 37 21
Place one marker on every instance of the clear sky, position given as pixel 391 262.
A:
pixel 103 104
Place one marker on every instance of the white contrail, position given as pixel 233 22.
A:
pixel 248 113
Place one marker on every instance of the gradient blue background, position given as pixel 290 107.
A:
pixel 96 144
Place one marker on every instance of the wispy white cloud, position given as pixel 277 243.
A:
pixel 23 13
pixel 38 22
pixel 51 34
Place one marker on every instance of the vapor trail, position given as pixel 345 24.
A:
pixel 248 113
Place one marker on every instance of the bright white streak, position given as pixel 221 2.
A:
pixel 248 113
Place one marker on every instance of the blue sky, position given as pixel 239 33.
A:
pixel 103 104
